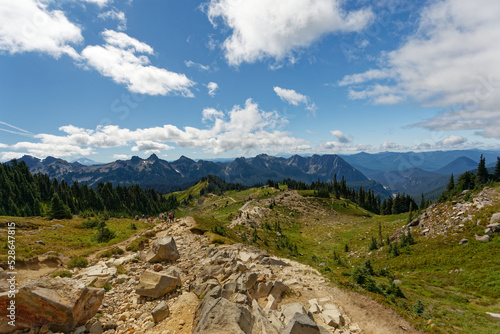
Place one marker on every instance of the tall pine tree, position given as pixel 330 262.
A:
pixel 482 172
pixel 496 176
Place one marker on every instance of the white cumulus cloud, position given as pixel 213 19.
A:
pixel 340 136
pixel 450 62
pixel 29 26
pixel 122 59
pixel 294 98
pixel 243 128
pixel 453 140
pixel 212 88
pixel 121 156
pixel 276 29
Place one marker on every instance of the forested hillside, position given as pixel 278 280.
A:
pixel 24 194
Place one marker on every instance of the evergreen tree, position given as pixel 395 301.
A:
pixel 451 184
pixel 496 175
pixel 58 210
pixel 422 202
pixel 482 172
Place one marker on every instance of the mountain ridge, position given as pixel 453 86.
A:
pixel 162 175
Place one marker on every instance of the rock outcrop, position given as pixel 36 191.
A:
pixel 60 304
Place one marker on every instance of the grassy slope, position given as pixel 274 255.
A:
pixel 455 301
pixel 71 240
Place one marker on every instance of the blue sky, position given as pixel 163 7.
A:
pixel 109 79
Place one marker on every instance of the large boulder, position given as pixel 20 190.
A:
pixel 301 324
pixel 155 285
pixel 163 249
pixel 61 303
pixel 220 316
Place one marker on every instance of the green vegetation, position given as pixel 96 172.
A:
pixel 24 195
pixel 112 252
pixel 78 262
pixel 450 286
pixel 62 273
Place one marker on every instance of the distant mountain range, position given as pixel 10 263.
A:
pixel 416 173
pixel 182 173
pixel 370 164
pixel 386 173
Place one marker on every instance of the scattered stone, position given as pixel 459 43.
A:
pixel 271 303
pixel 289 311
pixel 495 218
pixel 397 282
pixel 301 324
pixel 155 285
pixel 495 227
pixel 163 249
pixel 314 308
pixel 157 267
pixel 495 316
pixel 332 316
pixel 463 242
pixel 485 238
pixel 160 312
pixel 96 328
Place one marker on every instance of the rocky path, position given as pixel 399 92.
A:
pixel 225 289
pixel 199 262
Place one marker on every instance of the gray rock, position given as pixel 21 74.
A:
pixel 163 249
pixel 262 323
pixel 495 218
pixel 278 289
pixel 301 324
pixel 463 242
pixel 251 279
pixel 160 312
pixel 155 285
pixel 80 330
pixel 314 306
pixel 263 289
pixel 323 330
pixel 332 316
pixel 485 238
pixel 222 317
pixel 96 328
pixel 289 311
pixel 495 316
pixel 202 289
pixel 397 281
pixel 495 227
pixel 274 261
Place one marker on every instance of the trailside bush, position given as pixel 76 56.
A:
pixel 78 262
